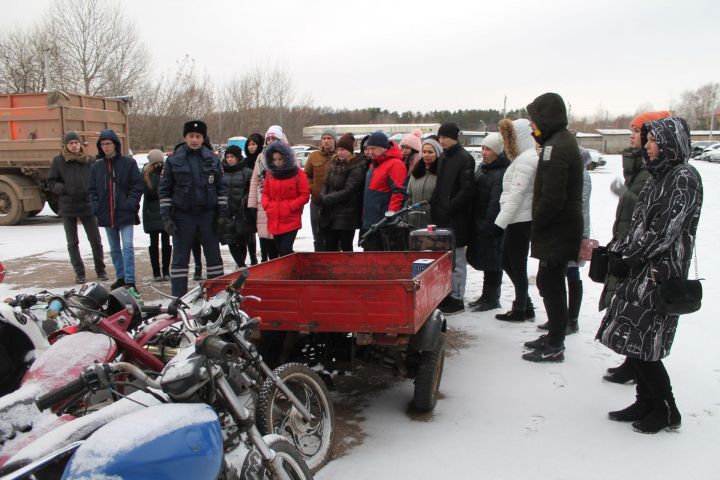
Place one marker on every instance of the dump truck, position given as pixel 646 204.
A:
pixel 32 126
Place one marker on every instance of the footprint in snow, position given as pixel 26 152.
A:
pixel 534 424
pixel 558 379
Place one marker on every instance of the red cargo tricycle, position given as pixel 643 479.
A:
pixel 335 309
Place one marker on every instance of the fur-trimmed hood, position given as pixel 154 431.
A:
pixel 517 136
pixel 289 167
pixel 80 157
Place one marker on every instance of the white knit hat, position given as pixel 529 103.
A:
pixel 275 131
pixel 494 142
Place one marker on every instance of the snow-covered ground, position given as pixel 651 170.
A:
pixel 502 417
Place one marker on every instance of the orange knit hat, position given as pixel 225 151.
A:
pixel 643 118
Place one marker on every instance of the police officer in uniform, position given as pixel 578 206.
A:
pixel 193 196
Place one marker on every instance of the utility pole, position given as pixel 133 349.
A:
pixel 505 107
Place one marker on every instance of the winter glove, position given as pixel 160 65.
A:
pixel 169 226
pixel 617 266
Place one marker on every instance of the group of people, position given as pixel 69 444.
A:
pixel 528 197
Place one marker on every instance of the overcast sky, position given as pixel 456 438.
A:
pixel 423 55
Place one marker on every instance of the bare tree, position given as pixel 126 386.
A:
pixel 21 61
pixel 696 106
pixel 96 50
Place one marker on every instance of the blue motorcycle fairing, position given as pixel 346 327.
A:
pixel 171 441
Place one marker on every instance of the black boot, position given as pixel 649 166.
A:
pixel 490 301
pixel 637 411
pixel 529 310
pixel 120 282
pixel 622 374
pixel 476 302
pixel 575 295
pixel 664 415
pixel 516 314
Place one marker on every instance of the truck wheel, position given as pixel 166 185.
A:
pixel 11 209
pixel 429 375
pixel 275 413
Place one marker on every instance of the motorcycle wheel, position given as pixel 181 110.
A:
pixel 292 461
pixel 429 375
pixel 276 414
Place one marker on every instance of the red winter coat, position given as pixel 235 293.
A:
pixel 283 200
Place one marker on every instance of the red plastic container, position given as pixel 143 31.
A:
pixel 344 292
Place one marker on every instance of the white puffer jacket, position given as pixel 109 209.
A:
pixel 517 195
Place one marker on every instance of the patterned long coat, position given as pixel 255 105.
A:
pixel 659 241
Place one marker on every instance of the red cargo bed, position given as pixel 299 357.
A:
pixel 344 292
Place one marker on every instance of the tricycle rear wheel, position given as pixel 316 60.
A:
pixel 429 375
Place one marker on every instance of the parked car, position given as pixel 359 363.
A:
pixel 698 147
pixel 476 152
pixel 302 152
pixel 705 155
pixel 596 159
pixel 714 155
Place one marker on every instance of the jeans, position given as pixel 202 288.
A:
pixel 93 235
pixel 459 275
pixel 123 256
pixel 284 242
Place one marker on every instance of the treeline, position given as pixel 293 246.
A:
pixel 90 47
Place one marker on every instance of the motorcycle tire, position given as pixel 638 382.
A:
pixel 292 461
pixel 429 376
pixel 276 414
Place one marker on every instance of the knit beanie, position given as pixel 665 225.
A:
pixel 450 130
pixel 417 132
pixel 411 141
pixel 378 139
pixel 331 132
pixel 494 142
pixel 155 156
pixel 435 145
pixel 234 150
pixel 643 118
pixel 275 131
pixel 70 136
pixel 347 141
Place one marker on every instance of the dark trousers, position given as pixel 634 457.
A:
pixel 337 240
pixel 93 235
pixel 284 242
pixel 156 238
pixel 492 279
pixel 268 249
pixel 575 292
pixel 239 251
pixel 188 225
pixel 252 248
pixel 653 381
pixel 197 256
pixel 551 283
pixel 516 246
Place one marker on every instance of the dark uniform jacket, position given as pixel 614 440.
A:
pixel 192 182
pixel 485 248
pixel 116 186
pixel 451 202
pixel 69 179
pixel 557 222
pixel 657 246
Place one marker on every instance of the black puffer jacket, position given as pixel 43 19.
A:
pixel 69 179
pixel 451 202
pixel 485 248
pixel 239 222
pixel 342 194
pixel 151 204
pixel 659 243
pixel 557 222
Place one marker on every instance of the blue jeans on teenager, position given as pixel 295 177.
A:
pixel 123 260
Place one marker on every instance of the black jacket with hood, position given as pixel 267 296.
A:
pixel 451 202
pixel 69 179
pixel 250 158
pixel 557 222
pixel 116 186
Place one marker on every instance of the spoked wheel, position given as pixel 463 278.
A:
pixel 429 375
pixel 292 461
pixel 276 414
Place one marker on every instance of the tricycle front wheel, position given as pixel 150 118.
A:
pixel 429 375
